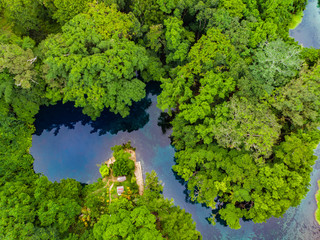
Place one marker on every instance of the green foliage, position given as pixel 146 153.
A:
pixel 104 170
pixel 275 64
pixel 122 5
pixel 174 223
pixel 317 196
pixel 58 204
pixel 256 191
pixel 85 65
pixel 178 40
pixel 248 126
pixel 63 10
pixel 20 63
pixel 310 55
pixel 296 20
pixel 17 209
pixel 21 89
pixel 154 12
pixel 29 17
pixel 210 70
pixel 298 101
pixel 148 12
pixel 125 224
pixel 154 37
pixel 23 13
pixel 244 120
pixel 235 7
pixel 232 215
pixel 211 115
pixel 123 164
pixel 152 183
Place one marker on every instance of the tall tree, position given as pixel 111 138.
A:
pixel 275 63
pixel 97 66
pixel 298 101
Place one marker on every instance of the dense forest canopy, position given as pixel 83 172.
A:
pixel 242 95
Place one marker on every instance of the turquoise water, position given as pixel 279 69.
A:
pixel 68 144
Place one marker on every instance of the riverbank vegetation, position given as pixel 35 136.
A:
pixel 241 94
pixel 317 196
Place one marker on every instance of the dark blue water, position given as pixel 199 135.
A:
pixel 68 144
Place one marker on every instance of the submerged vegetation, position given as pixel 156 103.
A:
pixel 242 97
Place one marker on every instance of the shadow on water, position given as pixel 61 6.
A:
pixel 113 123
pixel 164 121
pixel 54 117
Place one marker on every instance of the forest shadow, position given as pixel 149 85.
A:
pixel 66 115
pixel 56 116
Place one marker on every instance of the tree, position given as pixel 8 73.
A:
pixel 178 40
pixel 211 59
pixel 317 213
pixel 252 127
pixel 231 214
pixel 275 63
pixel 29 18
pixel 138 223
pixel 20 63
pixel 94 66
pixel 235 7
pixel 123 164
pixel 25 14
pixel 104 170
pixel 63 10
pixel 17 209
pixel 58 204
pixel 298 101
pixel 21 88
pixel 173 222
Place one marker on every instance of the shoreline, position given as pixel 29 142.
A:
pixel 296 20
pixel 316 197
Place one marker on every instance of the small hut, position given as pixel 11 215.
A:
pixel 121 178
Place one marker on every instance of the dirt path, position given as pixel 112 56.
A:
pixel 138 173
pixel 110 193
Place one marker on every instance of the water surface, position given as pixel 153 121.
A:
pixel 70 145
pixel 307 33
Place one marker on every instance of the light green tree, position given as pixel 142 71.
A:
pixel 275 63
pixel 20 63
